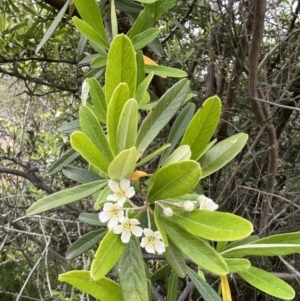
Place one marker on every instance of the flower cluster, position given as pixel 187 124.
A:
pixel 113 214
pixel 206 203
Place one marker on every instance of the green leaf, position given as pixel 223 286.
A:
pixel 268 283
pixel 99 62
pixel 152 155
pixel 69 127
pixel 127 127
pixel 90 33
pixel 92 129
pixel 121 66
pixel 143 22
pixel 90 218
pixel 220 154
pixel 65 197
pixel 286 238
pixel 159 225
pixel 104 289
pixel 182 153
pixel 214 225
pixel 67 158
pixel 202 126
pixel 53 26
pixel 80 175
pixel 178 129
pixel 84 243
pixel 113 18
pixel 262 250
pixel 205 290
pixel 172 287
pixel 110 250
pixel 174 180
pixel 165 109
pixel 140 76
pixel 161 7
pixel 91 14
pixel 123 165
pixel 165 71
pixel 132 274
pixel 114 111
pixel 142 89
pixel 87 149
pixel 144 38
pixel 195 248
pixel 102 198
pixel 176 260
pixel 98 97
pixel 236 265
pixel 160 273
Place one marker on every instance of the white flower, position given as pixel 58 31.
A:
pixel 121 191
pixel 207 203
pixel 112 213
pixel 153 242
pixel 128 227
pixel 168 211
pixel 188 206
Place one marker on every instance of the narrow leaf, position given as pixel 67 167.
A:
pixel 92 129
pixel 90 33
pixel 84 243
pixel 236 265
pixel 67 158
pixel 52 27
pixel 165 71
pixel 205 290
pixel 214 225
pixel 110 250
pixel 178 129
pixel 80 175
pixel 165 109
pixel 90 218
pixel 65 197
pixel 144 38
pixel 174 180
pixel 172 287
pixel 98 97
pixel 226 293
pixel 220 154
pixel 123 165
pixel 196 249
pixel 152 155
pixel 87 149
pixel 202 126
pixel 132 274
pixel 114 111
pixel 268 283
pixel 103 289
pixel 182 153
pixel 127 128
pixel 176 260
pixel 91 14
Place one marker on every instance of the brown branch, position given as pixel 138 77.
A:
pixel 30 176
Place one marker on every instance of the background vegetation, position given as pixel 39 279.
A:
pixel 216 43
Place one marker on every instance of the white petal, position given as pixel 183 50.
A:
pixel 148 232
pixel 157 235
pixel 121 201
pixel 124 184
pixel 113 185
pixel 150 248
pixel 159 247
pixel 137 231
pixel 112 223
pixel 107 206
pixel 134 221
pixel 125 237
pixel 143 242
pixel 120 215
pixel 112 197
pixel 130 192
pixel 117 229
pixel 104 216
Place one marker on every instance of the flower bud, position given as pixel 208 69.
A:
pixel 188 206
pixel 168 212
pixel 201 198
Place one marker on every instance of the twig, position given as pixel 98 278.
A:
pixel 189 286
